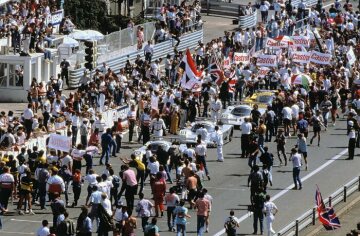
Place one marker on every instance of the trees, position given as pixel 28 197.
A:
pixel 89 14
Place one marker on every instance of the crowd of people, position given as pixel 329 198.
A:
pixel 158 104
pixel 25 24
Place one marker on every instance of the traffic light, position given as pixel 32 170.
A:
pixel 90 55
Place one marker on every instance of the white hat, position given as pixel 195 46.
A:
pixel 350 123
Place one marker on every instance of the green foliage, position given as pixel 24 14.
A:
pixel 91 14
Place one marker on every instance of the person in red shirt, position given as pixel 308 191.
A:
pixel 94 138
pixel 159 193
pixel 202 205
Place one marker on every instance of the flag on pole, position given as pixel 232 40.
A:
pixel 326 215
pixel 215 70
pixel 191 77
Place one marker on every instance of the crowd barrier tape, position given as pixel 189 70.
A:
pixel 109 117
pixel 188 40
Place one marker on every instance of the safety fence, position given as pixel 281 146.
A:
pixel 109 116
pixel 248 21
pixel 310 216
pixel 221 8
pixel 188 40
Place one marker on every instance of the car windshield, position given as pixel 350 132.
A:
pixel 264 98
pixel 155 146
pixel 209 128
pixel 241 111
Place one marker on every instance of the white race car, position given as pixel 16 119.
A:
pixel 235 115
pixel 189 135
pixel 154 145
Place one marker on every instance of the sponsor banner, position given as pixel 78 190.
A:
pixel 227 63
pixel 350 55
pixel 263 71
pixel 60 142
pixel 266 60
pixel 301 41
pixel 272 43
pixel 301 57
pixel 244 58
pixel 320 58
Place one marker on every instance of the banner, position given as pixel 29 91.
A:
pixel 60 142
pixel 320 58
pixel 301 57
pixel 266 60
pixel 227 63
pixel 263 71
pixel 272 43
pixel 243 58
pixel 56 17
pixel 350 55
pixel 301 41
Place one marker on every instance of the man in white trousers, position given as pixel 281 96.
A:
pixel 217 138
pixel 269 210
pixel 215 107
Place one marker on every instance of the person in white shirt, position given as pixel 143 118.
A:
pixel 200 151
pixel 246 128
pixel 217 138
pixel 287 117
pixel 148 51
pixel 270 211
pixel 44 229
pixel 296 160
pixel 28 120
pixel 158 126
pixel 105 202
pixel 75 124
pixel 215 107
pixel 295 116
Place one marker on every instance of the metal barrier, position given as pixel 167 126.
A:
pixel 248 21
pixel 309 3
pixel 310 216
pixel 221 8
pixel 189 40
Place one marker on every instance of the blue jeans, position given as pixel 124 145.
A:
pixel 167 170
pixel 180 229
pixel 200 225
pixel 296 176
pixel 47 54
pixel 261 143
pixel 326 117
pixel 74 130
pixel 106 153
pixel 201 160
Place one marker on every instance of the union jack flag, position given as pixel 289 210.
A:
pixel 215 71
pixel 326 215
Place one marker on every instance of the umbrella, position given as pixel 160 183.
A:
pixel 80 35
pixel 70 42
pixel 94 35
pixel 303 80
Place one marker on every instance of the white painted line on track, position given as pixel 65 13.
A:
pixel 31 221
pixel 283 192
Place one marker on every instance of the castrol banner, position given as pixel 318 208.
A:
pixel 266 60
pixel 301 57
pixel 320 58
pixel 272 43
pixel 301 41
pixel 263 71
pixel 243 58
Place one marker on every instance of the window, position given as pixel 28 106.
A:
pixel 11 75
pixel 3 74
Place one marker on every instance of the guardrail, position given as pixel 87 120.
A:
pixel 308 3
pixel 310 216
pixel 189 40
pixel 248 21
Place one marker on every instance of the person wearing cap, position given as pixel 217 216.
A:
pixel 55 184
pixel 351 133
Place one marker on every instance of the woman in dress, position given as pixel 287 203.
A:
pixel 174 126
pixel 140 37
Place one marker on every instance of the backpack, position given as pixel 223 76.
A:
pixel 231 224
pixel 5 142
pixel 66 228
pixel 116 181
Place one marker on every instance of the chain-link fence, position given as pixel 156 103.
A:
pixel 126 37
